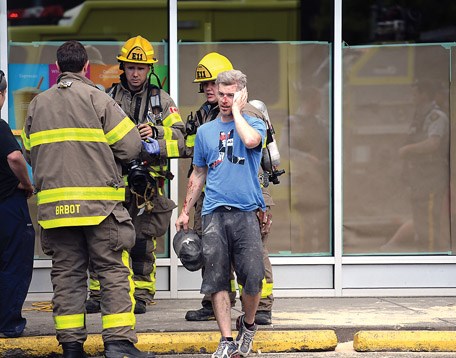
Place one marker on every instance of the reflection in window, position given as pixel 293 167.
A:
pixel 396 150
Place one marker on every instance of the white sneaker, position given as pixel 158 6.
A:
pixel 226 349
pixel 244 339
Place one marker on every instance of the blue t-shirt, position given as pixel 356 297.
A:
pixel 232 177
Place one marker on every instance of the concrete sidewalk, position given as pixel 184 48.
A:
pixel 299 324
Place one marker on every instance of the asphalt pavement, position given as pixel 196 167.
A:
pixel 368 324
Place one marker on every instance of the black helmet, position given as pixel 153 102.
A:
pixel 189 248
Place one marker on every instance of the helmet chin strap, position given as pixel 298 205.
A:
pixel 152 73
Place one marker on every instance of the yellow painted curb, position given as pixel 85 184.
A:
pixel 182 342
pixel 405 341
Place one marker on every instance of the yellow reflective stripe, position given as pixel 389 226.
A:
pixel 80 193
pixel 125 318
pixel 233 285
pixel 149 285
pixel 146 285
pixel 120 131
pixel 131 291
pixel 67 134
pixel 156 169
pixel 172 119
pixel 25 140
pixel 94 285
pixel 167 133
pixel 264 143
pixel 172 148
pixel 73 221
pixel 190 141
pixel 118 320
pixel 69 321
pixel 267 289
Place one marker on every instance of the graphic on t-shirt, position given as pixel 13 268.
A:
pixel 226 146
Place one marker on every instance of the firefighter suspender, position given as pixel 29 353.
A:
pixel 154 110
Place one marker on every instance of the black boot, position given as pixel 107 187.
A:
pixel 140 307
pixel 73 350
pixel 92 306
pixel 124 349
pixel 203 314
pixel 263 317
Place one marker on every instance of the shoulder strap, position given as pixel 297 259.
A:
pixel 113 90
pixel 154 104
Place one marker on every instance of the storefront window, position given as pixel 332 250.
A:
pixel 32 70
pixel 396 127
pixel 293 80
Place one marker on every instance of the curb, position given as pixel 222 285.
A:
pixel 182 342
pixel 405 341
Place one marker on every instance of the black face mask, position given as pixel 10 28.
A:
pixel 139 178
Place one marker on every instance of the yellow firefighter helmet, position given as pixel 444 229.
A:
pixel 137 50
pixel 210 66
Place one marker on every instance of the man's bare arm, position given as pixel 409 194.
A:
pixel 194 187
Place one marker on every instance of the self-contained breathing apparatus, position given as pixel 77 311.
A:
pixel 193 122
pixel 271 156
pixel 191 125
pixel 142 184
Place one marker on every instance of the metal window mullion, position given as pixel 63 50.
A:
pixel 173 86
pixel 337 146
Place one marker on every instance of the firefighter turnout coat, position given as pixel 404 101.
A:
pixel 76 146
pixel 76 138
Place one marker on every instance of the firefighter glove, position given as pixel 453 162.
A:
pixel 151 146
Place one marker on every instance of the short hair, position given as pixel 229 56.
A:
pixel 232 77
pixel 3 83
pixel 71 57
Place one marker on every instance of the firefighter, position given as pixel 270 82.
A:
pixel 75 138
pixel 158 120
pixel 205 75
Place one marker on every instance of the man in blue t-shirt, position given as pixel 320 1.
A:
pixel 226 158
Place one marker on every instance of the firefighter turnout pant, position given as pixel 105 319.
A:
pixel 107 246
pixel 149 225
pixel 142 258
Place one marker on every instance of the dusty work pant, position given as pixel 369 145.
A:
pixel 267 297
pixel 106 245
pixel 17 241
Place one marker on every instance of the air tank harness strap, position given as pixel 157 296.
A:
pixel 149 193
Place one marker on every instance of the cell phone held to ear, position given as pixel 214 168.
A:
pixel 242 94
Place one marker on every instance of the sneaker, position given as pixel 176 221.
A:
pixel 226 349
pixel 124 349
pixel 263 318
pixel 203 314
pixel 92 306
pixel 244 339
pixel 140 306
